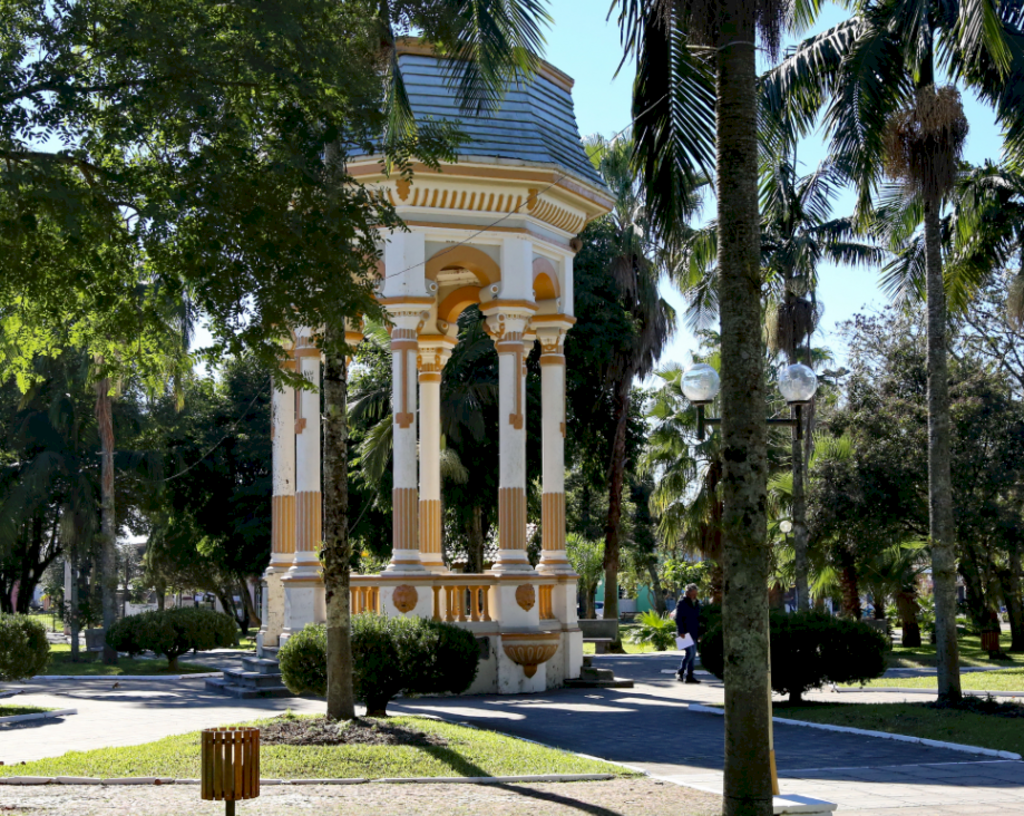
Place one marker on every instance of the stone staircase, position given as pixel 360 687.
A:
pixel 592 677
pixel 261 677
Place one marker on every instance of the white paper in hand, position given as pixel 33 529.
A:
pixel 684 642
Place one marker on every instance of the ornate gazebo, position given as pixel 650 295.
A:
pixel 496 229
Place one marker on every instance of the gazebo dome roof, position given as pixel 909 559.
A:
pixel 534 126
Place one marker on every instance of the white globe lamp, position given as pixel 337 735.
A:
pixel 797 383
pixel 701 384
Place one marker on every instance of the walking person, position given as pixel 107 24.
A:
pixel 688 623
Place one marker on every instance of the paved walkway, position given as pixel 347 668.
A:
pixel 649 726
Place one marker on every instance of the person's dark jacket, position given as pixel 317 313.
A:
pixel 688 618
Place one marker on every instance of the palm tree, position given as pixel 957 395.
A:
pixel 797 233
pixel 640 262
pixel 697 75
pixel 679 461
pixel 886 114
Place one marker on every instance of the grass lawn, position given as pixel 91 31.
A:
pixel 971 654
pixel 1002 680
pixel 1003 733
pixel 92 665
pixel 469 752
pixel 16 711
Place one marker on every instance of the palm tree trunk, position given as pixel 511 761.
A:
pixel 1014 605
pixel 940 491
pixel 613 521
pixel 475 540
pixel 337 548
pixel 747 784
pixel 850 583
pixel 108 531
pixel 656 590
pixel 906 603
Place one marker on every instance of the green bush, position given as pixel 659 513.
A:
pixel 172 633
pixel 24 651
pixel 390 655
pixel 656 630
pixel 303 661
pixel 808 650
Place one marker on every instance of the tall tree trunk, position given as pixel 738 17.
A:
pixel 337 547
pixel 1014 602
pixel 747 784
pixel 974 584
pixel 940 491
pixel 656 589
pixel 613 522
pixel 906 603
pixel 252 616
pixel 475 540
pixel 850 583
pixel 108 531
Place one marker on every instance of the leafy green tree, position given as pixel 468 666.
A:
pixel 878 75
pixel 638 264
pixel 587 562
pixel 210 516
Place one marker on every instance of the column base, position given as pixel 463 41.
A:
pixel 405 561
pixel 554 562
pixel 511 561
pixel 273 608
pixel 304 600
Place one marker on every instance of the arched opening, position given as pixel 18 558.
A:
pixel 482 265
pixel 545 280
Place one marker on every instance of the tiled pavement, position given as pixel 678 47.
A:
pixel 648 726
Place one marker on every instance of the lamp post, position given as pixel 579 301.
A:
pixel 786 527
pixel 796 382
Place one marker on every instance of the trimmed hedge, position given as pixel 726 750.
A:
pixel 24 651
pixel 390 655
pixel 810 649
pixel 172 633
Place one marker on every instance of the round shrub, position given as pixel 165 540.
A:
pixel 447 660
pixel 808 650
pixel 303 661
pixel 172 633
pixel 390 655
pixel 24 651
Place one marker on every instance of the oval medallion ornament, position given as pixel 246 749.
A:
pixel 526 596
pixel 405 598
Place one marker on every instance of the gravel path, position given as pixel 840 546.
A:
pixel 620 797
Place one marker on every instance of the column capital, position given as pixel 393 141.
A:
pixel 433 352
pixel 508 320
pixel 551 331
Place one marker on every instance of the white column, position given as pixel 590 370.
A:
pixel 303 584
pixel 551 331
pixel 434 351
pixel 507 322
pixel 406 316
pixel 282 535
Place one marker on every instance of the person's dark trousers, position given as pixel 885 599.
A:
pixel 689 659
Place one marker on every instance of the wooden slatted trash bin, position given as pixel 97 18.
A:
pixel 231 765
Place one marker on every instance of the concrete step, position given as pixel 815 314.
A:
pixel 252 679
pixel 261 665
pixel 246 692
pixel 588 673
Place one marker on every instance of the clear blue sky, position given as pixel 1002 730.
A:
pixel 586 47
